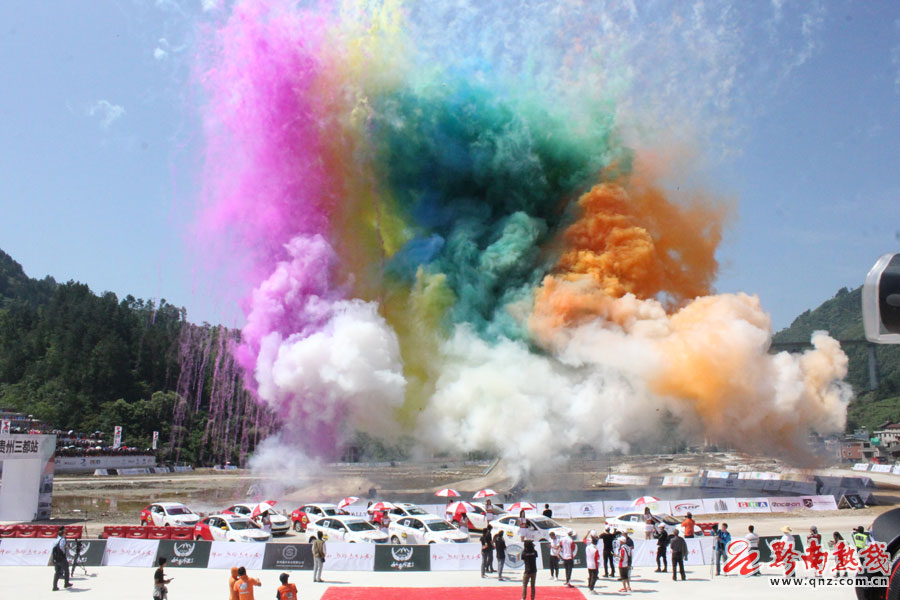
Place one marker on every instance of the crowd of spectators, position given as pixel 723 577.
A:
pixel 76 443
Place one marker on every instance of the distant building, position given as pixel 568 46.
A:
pixel 888 433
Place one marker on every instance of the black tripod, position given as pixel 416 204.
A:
pixel 77 546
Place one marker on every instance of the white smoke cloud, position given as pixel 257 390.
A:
pixel 108 112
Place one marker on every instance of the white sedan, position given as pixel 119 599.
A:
pixel 280 523
pixel 169 514
pixel 346 529
pixel 405 509
pixel 229 528
pixel 635 523
pixel 429 529
pixel 539 528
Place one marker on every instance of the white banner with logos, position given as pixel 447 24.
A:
pixel 224 555
pixel 586 510
pixel 561 510
pixel 820 502
pixel 455 557
pixel 715 506
pixel 678 480
pixel 683 507
pixel 619 479
pixel 5 426
pixel 699 552
pixel 25 552
pixel 787 504
pixel 718 474
pixel 117 437
pixel 861 467
pixel 752 505
pixel 895 469
pixel 343 556
pixel 881 468
pixel 614 508
pixel 125 552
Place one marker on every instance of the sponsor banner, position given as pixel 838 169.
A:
pixel 851 501
pixel 619 479
pixel 117 437
pixel 455 557
pixel 715 506
pixel 678 480
pixel 820 502
pixel 288 557
pixel 880 469
pixel 25 552
pixel 699 552
pixel 561 510
pixel 391 557
pixel 752 505
pixel 586 510
pixel 343 556
pixel 124 552
pixel 861 467
pixel 134 471
pixel 765 547
pixel 89 552
pixel 155 439
pixel 4 426
pixel 786 504
pixel 614 508
pixel 682 507
pixel 184 553
pixel 895 469
pixel 514 556
pixel 718 474
pixel 224 555
pixel 766 475
pixel 183 469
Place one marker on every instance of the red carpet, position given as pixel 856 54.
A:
pixel 470 593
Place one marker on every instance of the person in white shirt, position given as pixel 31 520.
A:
pixel 592 557
pixel 567 554
pixel 554 556
pixel 788 539
pixel 753 546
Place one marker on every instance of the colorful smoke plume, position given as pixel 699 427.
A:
pixel 476 250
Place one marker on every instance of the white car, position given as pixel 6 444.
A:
pixel 429 529
pixel 539 527
pixel 280 523
pixel 405 509
pixel 634 524
pixel 229 528
pixel 169 514
pixel 346 529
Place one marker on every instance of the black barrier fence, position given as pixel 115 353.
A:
pixel 184 553
pixel 290 557
pixel 89 552
pixel 580 556
pixel 390 557
pixel 765 547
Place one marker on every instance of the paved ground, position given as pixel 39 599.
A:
pixel 120 583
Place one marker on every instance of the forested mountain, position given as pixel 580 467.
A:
pixel 841 316
pixel 88 363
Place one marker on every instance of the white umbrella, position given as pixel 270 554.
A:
pixel 644 500
pixel 262 507
pixel 485 493
pixel 447 493
pixel 520 506
pixel 347 502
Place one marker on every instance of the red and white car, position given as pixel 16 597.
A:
pixel 169 514
pixel 280 523
pixel 310 513
pixel 229 528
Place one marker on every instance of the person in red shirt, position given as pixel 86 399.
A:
pixel 287 591
pixel 244 585
pixel 234 577
pixel 688 525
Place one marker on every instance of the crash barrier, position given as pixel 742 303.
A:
pixel 39 531
pixel 877 468
pixel 183 469
pixel 143 532
pixel 126 552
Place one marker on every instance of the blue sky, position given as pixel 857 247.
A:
pixel 101 139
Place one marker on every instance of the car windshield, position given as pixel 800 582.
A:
pixel 668 520
pixel 329 511
pixel 178 510
pixel 360 526
pixel 439 526
pixel 544 523
pixel 239 524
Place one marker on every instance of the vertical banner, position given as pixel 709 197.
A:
pixel 117 439
pixel 155 439
pixel 4 426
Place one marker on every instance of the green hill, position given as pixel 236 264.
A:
pixel 16 286
pixel 841 316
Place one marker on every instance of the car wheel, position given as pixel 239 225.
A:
pixel 298 527
pixel 395 540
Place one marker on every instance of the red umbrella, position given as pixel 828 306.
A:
pixel 457 507
pixel 447 493
pixel 261 508
pixel 644 500
pixel 520 506
pixel 485 493
pixel 347 502
pixel 380 506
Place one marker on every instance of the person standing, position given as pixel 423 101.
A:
pixel 529 557
pixel 60 561
pixel 245 584
pixel 787 539
pixel 662 548
pixel 488 511
pixel 723 538
pixel 679 551
pixel 547 512
pixel 592 558
pixel 625 554
pixel 753 546
pixel 607 538
pixel 266 522
pixel 814 535
pixel 500 548
pixel 160 581
pixel 287 591
pixel 688 525
pixel 463 521
pixel 567 554
pixel 233 593
pixel 522 522
pixel 318 550
pixel 836 541
pixel 554 556
pixel 487 551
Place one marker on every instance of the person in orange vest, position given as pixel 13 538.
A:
pixel 244 585
pixel 689 524
pixel 287 591
pixel 233 592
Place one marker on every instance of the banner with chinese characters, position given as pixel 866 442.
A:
pixel 25 552
pixel 455 557
pixel 125 552
pixel 343 556
pixel 224 555
pixel 27 489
